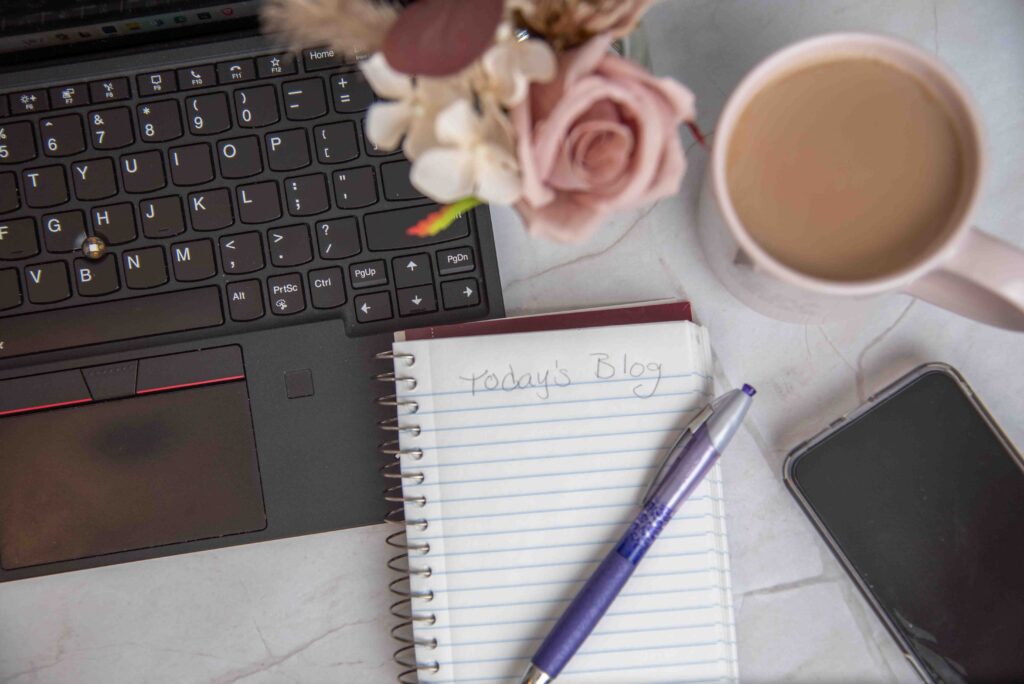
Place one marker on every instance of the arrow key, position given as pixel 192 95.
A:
pixel 416 300
pixel 411 270
pixel 458 294
pixel 373 307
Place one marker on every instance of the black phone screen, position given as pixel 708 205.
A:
pixel 927 504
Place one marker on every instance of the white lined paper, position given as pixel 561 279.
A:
pixel 529 482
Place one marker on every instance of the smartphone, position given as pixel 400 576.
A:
pixel 920 495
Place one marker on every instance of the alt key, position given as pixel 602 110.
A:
pixel 245 301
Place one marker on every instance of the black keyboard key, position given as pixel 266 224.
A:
pixel 10 290
pixel 337 238
pixel 94 179
pixel 193 260
pixel 115 223
pixel 240 157
pixel 315 59
pixel 109 90
pixel 245 301
pixel 96 278
pixel 458 260
pixel 144 268
pixel 44 187
pixel 307 195
pixel 159 121
pixel 9 196
pixel 416 300
pixel 64 232
pixel 208 114
pixel 236 71
pixel 62 136
pixel 210 209
pixel 387 230
pixel 111 321
pixel 411 270
pixel 46 283
pixel 29 102
pixel 326 289
pixel 17 143
pixel 336 142
pixel 156 83
pixel 18 239
pixel 368 274
pixel 191 164
pixel 111 128
pixel 69 96
pixel 142 172
pixel 242 253
pixel 256 107
pixel 373 307
pixel 355 188
pixel 275 65
pixel 4 109
pixel 259 202
pixel 287 150
pixel 396 181
pixel 371 147
pixel 286 294
pixel 351 92
pixel 458 294
pixel 197 77
pixel 304 99
pixel 290 246
pixel 162 217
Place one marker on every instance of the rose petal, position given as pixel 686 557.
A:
pixel 386 123
pixel 444 174
pixel 384 80
pixel 679 98
pixel 563 219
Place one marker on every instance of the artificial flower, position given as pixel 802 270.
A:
pixel 511 65
pixel 570 23
pixel 602 137
pixel 474 159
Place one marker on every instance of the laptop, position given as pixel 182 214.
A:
pixel 200 254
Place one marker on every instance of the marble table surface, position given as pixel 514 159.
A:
pixel 313 609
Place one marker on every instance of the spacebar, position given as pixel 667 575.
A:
pixel 110 321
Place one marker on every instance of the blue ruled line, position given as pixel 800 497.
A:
pixel 633 504
pixel 608 416
pixel 543 457
pixel 554 528
pixel 499 587
pixel 512 478
pixel 548 602
pixel 548 547
pixel 547 402
pixel 532 621
pixel 652 554
pixel 606 632
pixel 560 438
pixel 640 379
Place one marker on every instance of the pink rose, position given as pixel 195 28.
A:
pixel 601 137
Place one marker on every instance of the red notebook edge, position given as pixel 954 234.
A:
pixel 629 314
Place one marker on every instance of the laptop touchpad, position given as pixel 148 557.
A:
pixel 148 470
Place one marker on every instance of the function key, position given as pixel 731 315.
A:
pixel 368 274
pixel 315 59
pixel 458 260
pixel 29 101
pixel 109 90
pixel 275 65
pixel 411 270
pixel 157 83
pixel 286 294
pixel 236 71
pixel 69 96
pixel 373 307
pixel 197 77
pixel 458 294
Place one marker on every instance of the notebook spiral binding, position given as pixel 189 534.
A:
pixel 401 563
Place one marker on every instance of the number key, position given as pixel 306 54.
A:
pixel 16 143
pixel 256 107
pixel 208 114
pixel 111 128
pixel 159 121
pixel 62 135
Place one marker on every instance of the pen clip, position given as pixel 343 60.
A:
pixel 676 449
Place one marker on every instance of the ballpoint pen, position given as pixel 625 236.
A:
pixel 688 461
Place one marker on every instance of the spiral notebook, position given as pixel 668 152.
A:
pixel 523 449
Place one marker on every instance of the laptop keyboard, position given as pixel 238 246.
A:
pixel 232 193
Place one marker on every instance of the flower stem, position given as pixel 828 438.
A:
pixel 436 221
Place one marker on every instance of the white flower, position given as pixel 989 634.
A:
pixel 474 161
pixel 512 64
pixel 412 108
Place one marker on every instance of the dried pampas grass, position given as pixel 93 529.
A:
pixel 569 23
pixel 348 26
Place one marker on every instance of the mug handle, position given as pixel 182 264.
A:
pixel 984 280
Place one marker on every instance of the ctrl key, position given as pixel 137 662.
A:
pixel 286 294
pixel 245 302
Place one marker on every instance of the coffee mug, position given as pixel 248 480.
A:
pixel 965 270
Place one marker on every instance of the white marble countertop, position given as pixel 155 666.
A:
pixel 313 609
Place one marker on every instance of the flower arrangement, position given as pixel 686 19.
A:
pixel 511 102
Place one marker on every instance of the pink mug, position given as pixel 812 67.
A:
pixel 966 271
